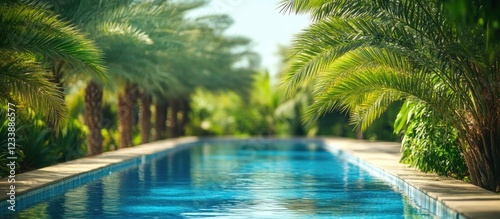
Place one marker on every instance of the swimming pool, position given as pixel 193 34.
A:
pixel 234 179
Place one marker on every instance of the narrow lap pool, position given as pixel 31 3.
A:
pixel 234 179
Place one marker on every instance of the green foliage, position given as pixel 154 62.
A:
pixel 109 111
pixel 109 131
pixel 382 129
pixel 75 102
pixel 69 144
pixel 111 138
pixel 429 143
pixel 483 13
pixel 28 32
pixel 38 146
pixel 289 114
pixel 229 113
pixel 4 152
pixel 221 114
pixel 337 124
pixel 334 123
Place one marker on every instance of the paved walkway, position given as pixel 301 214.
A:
pixel 466 199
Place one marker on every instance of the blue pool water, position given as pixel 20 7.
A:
pixel 234 180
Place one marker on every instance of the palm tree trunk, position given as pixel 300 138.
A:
pixel 126 103
pixel 174 110
pixel 481 149
pixel 93 117
pixel 145 116
pixel 160 119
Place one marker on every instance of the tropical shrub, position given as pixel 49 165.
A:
pixel 429 143
pixel 35 145
pixel 230 113
pixel 38 145
pixel 221 114
pixel 69 144
pixel 4 152
pixel 111 137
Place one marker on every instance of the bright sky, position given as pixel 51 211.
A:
pixel 261 21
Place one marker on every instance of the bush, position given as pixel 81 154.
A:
pixel 4 153
pixel 37 145
pixel 428 142
pixel 70 144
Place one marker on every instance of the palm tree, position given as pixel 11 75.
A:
pixel 114 25
pixel 29 31
pixel 164 26
pixel 206 59
pixel 105 22
pixel 364 55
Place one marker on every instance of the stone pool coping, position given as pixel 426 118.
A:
pixel 463 200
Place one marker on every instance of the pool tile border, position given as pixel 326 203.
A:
pixel 444 197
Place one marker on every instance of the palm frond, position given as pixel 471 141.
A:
pixel 24 83
pixel 26 28
pixel 321 9
pixel 369 91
